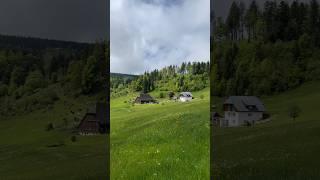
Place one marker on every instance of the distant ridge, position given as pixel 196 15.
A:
pixel 123 75
pixel 29 43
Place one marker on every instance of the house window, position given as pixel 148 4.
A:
pixel 249 114
pixel 234 114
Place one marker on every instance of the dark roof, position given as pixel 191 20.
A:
pixel 186 94
pixel 246 103
pixel 145 97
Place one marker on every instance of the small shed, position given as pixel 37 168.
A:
pixel 185 96
pixel 95 121
pixel 144 98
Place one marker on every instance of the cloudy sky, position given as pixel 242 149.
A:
pixel 73 20
pixel 149 34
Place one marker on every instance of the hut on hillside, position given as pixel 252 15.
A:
pixel 185 96
pixel 144 98
pixel 95 121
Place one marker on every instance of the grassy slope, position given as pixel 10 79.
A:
pixel 24 153
pixel 280 149
pixel 169 140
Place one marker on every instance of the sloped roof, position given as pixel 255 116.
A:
pixel 186 94
pixel 246 103
pixel 145 97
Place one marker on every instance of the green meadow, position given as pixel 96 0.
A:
pixel 169 140
pixel 282 148
pixel 28 151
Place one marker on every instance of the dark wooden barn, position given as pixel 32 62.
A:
pixel 144 98
pixel 95 121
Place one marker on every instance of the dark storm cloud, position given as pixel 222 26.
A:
pixel 221 7
pixel 73 20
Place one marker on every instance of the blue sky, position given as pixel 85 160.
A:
pixel 149 34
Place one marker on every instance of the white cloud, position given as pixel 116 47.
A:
pixel 149 34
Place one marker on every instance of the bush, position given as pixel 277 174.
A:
pixel 49 127
pixel 201 96
pixel 73 138
pixel 294 111
pixel 161 95
pixel 170 94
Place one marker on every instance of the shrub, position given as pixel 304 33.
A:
pixel 170 94
pixel 73 138
pixel 201 96
pixel 49 127
pixel 294 111
pixel 161 95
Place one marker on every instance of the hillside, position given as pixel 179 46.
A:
pixel 29 150
pixel 169 140
pixel 46 87
pixel 279 149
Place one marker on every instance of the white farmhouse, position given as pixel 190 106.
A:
pixel 239 110
pixel 185 96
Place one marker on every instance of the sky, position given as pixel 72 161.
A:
pixel 71 20
pixel 150 34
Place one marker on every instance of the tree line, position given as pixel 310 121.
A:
pixel 265 50
pixel 270 23
pixel 189 76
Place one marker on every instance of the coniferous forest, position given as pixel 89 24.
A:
pixel 189 76
pixel 34 73
pixel 265 49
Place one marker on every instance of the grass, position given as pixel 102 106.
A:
pixel 28 151
pixel 169 140
pixel 279 149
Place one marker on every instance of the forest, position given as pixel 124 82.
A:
pixel 267 49
pixel 189 76
pixel 34 72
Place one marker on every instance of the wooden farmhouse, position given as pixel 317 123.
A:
pixel 144 98
pixel 95 121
